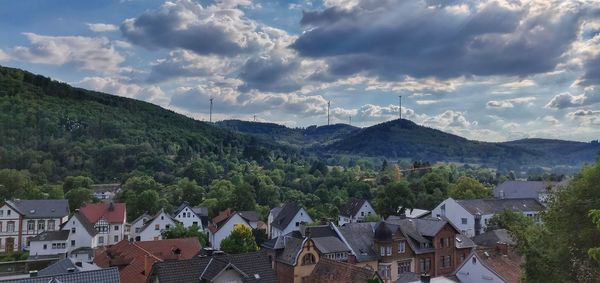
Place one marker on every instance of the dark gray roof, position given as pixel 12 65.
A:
pixel 41 208
pixel 107 275
pixel 419 231
pixel 330 245
pixel 285 216
pixel 461 241
pixel 360 238
pixel 60 235
pixel 491 238
pixel 100 188
pixel 89 227
pixel 275 211
pixel 523 189
pixel 318 231
pixel 408 277
pixel 249 215
pixel 293 245
pixel 254 267
pixel 492 206
pixel 149 221
pixel 351 207
pixel 60 267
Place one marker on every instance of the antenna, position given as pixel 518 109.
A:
pixel 254 118
pixel 400 107
pixel 350 120
pixel 328 106
pixel 210 113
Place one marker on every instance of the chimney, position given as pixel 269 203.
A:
pixel 208 251
pixel 111 207
pixel 425 278
pixel 352 259
pixel 147 265
pixel 502 248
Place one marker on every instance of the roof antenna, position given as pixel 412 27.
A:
pixel 400 107
pixel 328 106
pixel 254 118
pixel 350 120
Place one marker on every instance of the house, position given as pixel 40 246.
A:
pixel 108 275
pixel 66 265
pixel 359 238
pixel 428 245
pixel 526 189
pixel 471 216
pixel 490 266
pixel 21 220
pixel 135 259
pixel 247 267
pixel 190 216
pixel 109 219
pixel 153 227
pixel 286 219
pixel 223 224
pixel 294 255
pixel 49 243
pixel 330 271
pixel 136 225
pixel 106 192
pixel 82 233
pixel 355 210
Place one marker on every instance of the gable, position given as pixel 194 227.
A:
pixel 227 227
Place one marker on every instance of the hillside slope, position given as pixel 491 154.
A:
pixel 55 130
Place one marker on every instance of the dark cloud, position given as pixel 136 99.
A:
pixel 391 39
pixel 269 74
pixel 592 72
pixel 185 24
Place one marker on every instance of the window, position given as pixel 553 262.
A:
pixel 385 271
pixel 402 247
pixel 10 226
pixel 63 245
pixel 41 225
pixel 441 242
pixel 425 264
pixel 51 225
pixel 162 217
pixel 54 246
pixel 297 224
pixel 157 227
pixel 195 223
pixel 116 239
pixel 168 226
pixel 462 258
pixel 73 230
pixel 45 246
pixel 474 260
pixel 447 240
pixel 1 212
pixel 446 261
pixel 116 228
pixel 0 226
pixel 464 221
pixel 72 243
pixel 308 259
pixel 388 250
pixel 382 250
pixel 101 240
pixel 137 230
pixel 8 213
pixel 362 213
pixel 30 225
pixel 443 209
pixel 403 266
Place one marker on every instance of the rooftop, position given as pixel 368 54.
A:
pixel 327 270
pixel 113 212
pixel 351 207
pixel 107 275
pixel 491 238
pixel 285 215
pixel 492 206
pixel 59 235
pixel 45 208
pixel 524 189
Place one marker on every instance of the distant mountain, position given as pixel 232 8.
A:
pixel 569 152
pixel 295 137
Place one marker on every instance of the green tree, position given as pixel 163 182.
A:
pixel 243 198
pixel 469 188
pixel 77 182
pixel 179 231
pixel 13 183
pixel 595 251
pixel 239 241
pixel 260 236
pixel 191 191
pixel 392 197
pixel 79 196
pixel 148 201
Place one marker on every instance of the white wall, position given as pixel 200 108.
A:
pixel 81 236
pixel 455 213
pixel 301 216
pixel 136 227
pixel 363 212
pixel 230 276
pixel 187 217
pixel 162 220
pixel 225 230
pixel 475 272
pixel 37 248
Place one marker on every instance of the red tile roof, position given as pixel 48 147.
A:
pixel 112 212
pixel 131 257
pixel 329 271
pixel 220 219
pixel 506 265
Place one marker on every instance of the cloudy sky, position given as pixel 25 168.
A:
pixel 487 70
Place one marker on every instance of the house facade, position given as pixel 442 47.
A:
pixel 286 219
pixel 153 228
pixel 109 219
pixel 22 220
pixel 189 216
pixel 355 210
pixel 472 216
pixel 223 224
pixel 49 243
pixel 490 266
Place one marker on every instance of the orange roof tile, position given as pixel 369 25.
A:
pixel 112 212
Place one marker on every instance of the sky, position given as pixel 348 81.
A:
pixel 490 70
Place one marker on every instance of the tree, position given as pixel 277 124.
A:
pixel 13 183
pixel 392 197
pixel 595 215
pixel 181 232
pixel 243 198
pixel 191 191
pixel 148 201
pixel 260 236
pixel 77 182
pixel 469 188
pixel 239 241
pixel 79 196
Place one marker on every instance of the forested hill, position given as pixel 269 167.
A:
pixel 54 130
pixel 296 137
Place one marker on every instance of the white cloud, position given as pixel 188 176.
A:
pixel 3 56
pixel 567 100
pixel 100 27
pixel 550 120
pixel 585 117
pixel 510 103
pixel 86 53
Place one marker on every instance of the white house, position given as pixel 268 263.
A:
pixel 109 219
pixel 82 233
pixel 223 224
pixel 490 266
pixel 286 219
pixel 106 192
pixel 154 226
pixel 190 216
pixel 21 220
pixel 136 226
pixel 471 216
pixel 354 211
pixel 49 243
